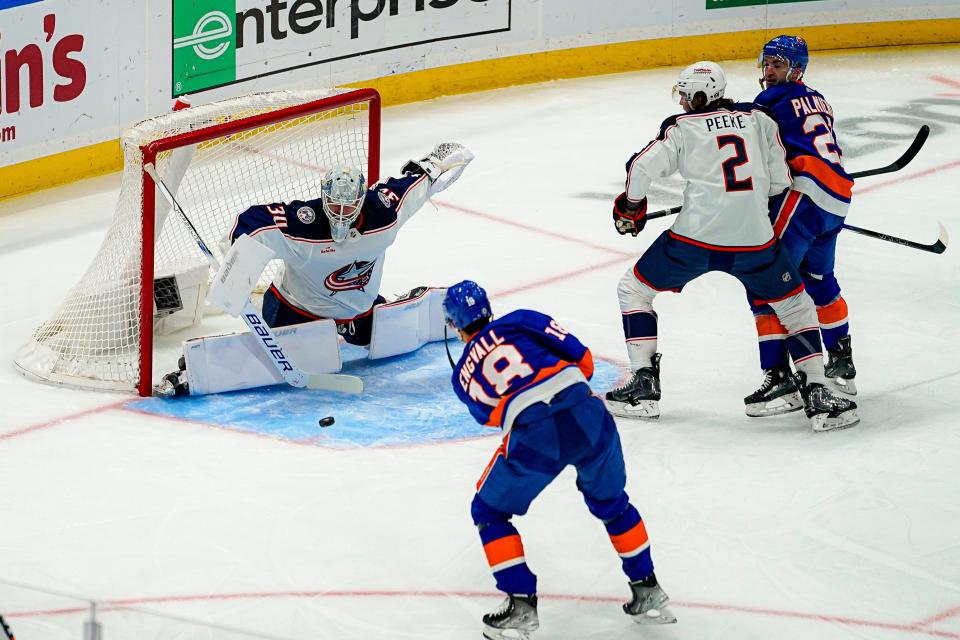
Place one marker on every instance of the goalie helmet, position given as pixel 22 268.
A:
pixel 342 192
pixel 465 303
pixel 790 49
pixel 701 77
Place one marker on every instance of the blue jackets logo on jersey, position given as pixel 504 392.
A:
pixel 353 276
pixel 306 215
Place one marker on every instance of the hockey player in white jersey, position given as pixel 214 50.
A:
pixel 333 249
pixel 733 160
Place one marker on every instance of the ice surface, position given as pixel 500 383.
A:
pixel 760 528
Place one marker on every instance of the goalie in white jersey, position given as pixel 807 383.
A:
pixel 333 249
pixel 733 160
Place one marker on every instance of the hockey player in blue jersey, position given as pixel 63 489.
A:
pixel 527 375
pixel 333 248
pixel 807 218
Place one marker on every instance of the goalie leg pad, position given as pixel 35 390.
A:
pixel 232 362
pixel 407 324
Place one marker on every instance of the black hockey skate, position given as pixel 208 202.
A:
pixel 639 398
pixel 175 383
pixel 840 371
pixel 777 394
pixel 649 603
pixel 516 615
pixel 826 410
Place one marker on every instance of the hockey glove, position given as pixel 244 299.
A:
pixel 629 217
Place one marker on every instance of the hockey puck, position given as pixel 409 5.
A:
pixel 326 422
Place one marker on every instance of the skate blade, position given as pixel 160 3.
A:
pixel 643 410
pixel 492 633
pixel 778 406
pixel 655 616
pixel 845 420
pixel 848 387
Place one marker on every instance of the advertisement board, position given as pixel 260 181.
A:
pixel 222 42
pixel 57 78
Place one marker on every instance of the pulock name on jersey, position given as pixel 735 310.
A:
pixel 805 105
pixel 480 349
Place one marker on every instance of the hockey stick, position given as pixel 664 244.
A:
pixel 267 341
pixel 8 634
pixel 937 247
pixel 896 165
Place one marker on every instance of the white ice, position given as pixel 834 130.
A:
pixel 760 528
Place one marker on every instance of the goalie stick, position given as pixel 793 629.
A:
pixel 7 632
pixel 267 341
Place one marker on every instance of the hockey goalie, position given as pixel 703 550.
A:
pixel 332 248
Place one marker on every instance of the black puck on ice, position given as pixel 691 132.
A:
pixel 326 422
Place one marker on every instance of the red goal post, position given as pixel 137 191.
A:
pixel 218 159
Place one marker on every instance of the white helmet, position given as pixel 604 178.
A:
pixel 342 192
pixel 706 77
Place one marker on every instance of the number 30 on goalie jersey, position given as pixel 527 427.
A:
pixel 515 361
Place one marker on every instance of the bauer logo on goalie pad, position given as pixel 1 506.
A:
pixel 306 215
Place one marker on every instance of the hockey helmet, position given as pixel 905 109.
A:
pixel 342 191
pixel 701 77
pixel 790 49
pixel 465 303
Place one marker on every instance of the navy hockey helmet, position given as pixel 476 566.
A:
pixel 465 303
pixel 790 49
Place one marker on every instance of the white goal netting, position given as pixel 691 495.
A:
pixel 218 160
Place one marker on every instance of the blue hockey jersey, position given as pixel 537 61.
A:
pixel 328 279
pixel 805 119
pixel 518 360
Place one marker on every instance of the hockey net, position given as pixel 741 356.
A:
pixel 218 159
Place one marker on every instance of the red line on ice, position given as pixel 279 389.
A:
pixel 107 605
pixel 55 421
pixel 913 176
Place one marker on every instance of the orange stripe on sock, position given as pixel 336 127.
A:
pixel 769 325
pixel 834 312
pixel 630 540
pixel 503 549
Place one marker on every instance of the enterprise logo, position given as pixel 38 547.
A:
pixel 214 26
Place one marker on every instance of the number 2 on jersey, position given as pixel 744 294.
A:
pixel 730 164
pixel 825 142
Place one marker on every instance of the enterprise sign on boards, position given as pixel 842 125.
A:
pixel 222 42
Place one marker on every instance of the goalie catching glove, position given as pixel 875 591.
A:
pixel 629 216
pixel 443 165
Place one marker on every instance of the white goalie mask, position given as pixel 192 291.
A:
pixel 342 192
pixel 701 77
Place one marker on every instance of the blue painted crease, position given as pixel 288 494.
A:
pixel 406 400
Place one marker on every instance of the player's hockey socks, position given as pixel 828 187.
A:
pixel 628 535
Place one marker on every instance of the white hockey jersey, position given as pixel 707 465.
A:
pixel 328 279
pixel 733 161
